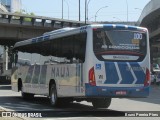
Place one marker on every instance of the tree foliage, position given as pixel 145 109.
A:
pixel 23 12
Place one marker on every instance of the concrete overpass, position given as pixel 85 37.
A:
pixel 150 18
pixel 15 27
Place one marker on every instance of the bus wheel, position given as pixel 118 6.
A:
pixel 53 95
pixel 101 102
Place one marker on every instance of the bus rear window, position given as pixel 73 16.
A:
pixel 119 45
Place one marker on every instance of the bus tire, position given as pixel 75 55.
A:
pixel 101 102
pixel 53 95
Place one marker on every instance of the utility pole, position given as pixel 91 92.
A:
pixel 62 9
pixel 127 9
pixel 79 10
pixel 85 9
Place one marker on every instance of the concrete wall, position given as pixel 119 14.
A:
pixel 150 18
pixel 149 11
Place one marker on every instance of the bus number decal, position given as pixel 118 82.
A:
pixel 83 29
pixel 40 39
pixel 138 36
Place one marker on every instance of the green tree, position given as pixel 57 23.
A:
pixel 23 12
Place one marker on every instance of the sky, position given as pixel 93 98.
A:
pixel 105 10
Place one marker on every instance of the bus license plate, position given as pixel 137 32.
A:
pixel 121 92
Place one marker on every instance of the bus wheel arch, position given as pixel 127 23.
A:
pixel 23 94
pixel 53 93
pixel 19 84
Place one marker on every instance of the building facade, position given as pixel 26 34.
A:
pixel 3 8
pixel 12 5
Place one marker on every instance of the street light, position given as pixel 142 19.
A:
pixel 127 9
pixel 138 9
pixel 62 9
pixel 117 18
pixel 98 11
pixel 87 8
pixel 79 10
pixel 68 8
pixel 90 18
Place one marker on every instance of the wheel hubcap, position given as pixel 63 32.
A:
pixel 53 97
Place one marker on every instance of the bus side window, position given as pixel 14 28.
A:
pixel 82 49
pixel 67 48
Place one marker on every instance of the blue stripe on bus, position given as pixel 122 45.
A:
pixel 127 77
pixel 119 27
pixel 108 26
pixel 111 73
pixel 125 72
pixel 139 73
pixel 40 39
pixel 34 40
pixel 132 28
pixel 46 37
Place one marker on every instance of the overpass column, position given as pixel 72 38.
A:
pixel 5 58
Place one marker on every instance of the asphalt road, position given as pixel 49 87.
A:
pixel 12 101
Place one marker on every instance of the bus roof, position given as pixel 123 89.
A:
pixel 59 31
pixel 70 31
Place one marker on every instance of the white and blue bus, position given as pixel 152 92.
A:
pixel 94 63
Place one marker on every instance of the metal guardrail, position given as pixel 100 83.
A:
pixel 37 21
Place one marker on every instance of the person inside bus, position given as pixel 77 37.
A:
pixel 101 40
pixel 69 56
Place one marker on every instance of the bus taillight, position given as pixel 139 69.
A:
pixel 147 79
pixel 92 77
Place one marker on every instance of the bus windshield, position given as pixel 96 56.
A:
pixel 119 45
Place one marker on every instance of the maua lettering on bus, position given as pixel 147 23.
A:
pixel 60 72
